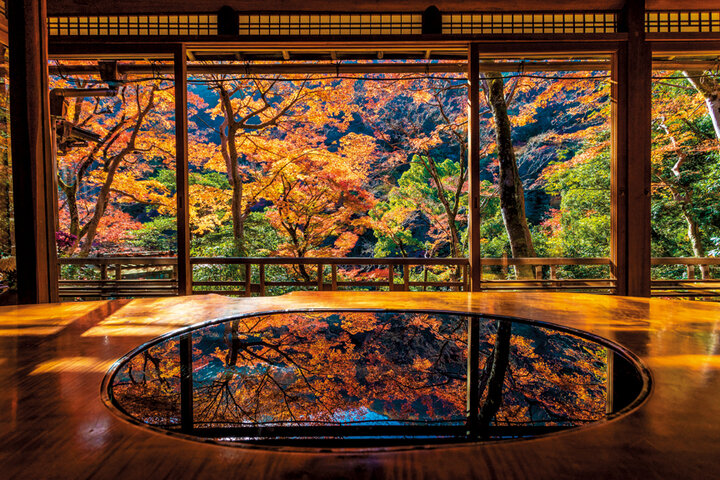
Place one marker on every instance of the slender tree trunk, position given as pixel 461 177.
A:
pixel 512 198
pixel 238 215
pixel 70 191
pixel 709 87
pixel 695 238
pixel 228 147
pixel 683 195
pixel 90 229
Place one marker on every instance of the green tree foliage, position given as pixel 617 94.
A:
pixel 685 157
pixel 416 197
pixel 580 227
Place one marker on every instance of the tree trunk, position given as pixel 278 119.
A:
pixel 90 229
pixel 695 238
pixel 709 87
pixel 228 147
pixel 683 195
pixel 512 198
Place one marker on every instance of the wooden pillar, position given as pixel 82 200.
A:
pixel 472 395
pixel 631 111
pixel 181 172
pixel 33 172
pixel 474 166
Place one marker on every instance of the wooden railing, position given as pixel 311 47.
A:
pixel 333 274
pixel 112 277
pixel 693 285
pixel 117 277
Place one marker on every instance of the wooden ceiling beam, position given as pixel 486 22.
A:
pixel 75 7
pixel 354 69
pixel 348 69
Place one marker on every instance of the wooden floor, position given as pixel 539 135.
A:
pixel 53 423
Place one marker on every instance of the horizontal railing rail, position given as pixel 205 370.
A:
pixel 700 281
pixel 122 276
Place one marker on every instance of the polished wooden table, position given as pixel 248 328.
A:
pixel 53 423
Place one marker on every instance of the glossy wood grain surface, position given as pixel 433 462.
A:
pixel 53 423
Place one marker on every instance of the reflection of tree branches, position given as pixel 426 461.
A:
pixel 221 396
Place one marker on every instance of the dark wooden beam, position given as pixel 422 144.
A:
pixel 33 171
pixel 409 66
pixel 474 220
pixel 631 111
pixel 493 47
pixel 75 7
pixel 181 172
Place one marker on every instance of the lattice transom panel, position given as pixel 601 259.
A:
pixel 519 23
pixel 343 24
pixel 133 25
pixel 682 22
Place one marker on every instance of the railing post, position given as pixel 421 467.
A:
pixel 465 278
pixel 118 271
pixel 333 272
pixel 406 277
pixel 262 279
pixel 390 277
pixel 248 280
pixel 320 280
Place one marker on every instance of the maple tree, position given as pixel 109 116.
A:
pixel 268 121
pixel 422 119
pixel 132 133
pixel 319 199
pixel 684 166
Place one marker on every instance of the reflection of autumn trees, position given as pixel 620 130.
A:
pixel 371 368
pixel 331 369
pixel 148 386
pixel 553 378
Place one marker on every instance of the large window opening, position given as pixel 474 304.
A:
pixel 332 170
pixel 545 173
pixel 114 138
pixel 685 219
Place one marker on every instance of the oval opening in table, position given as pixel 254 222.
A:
pixel 370 379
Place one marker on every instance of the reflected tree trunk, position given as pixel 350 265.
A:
pixel 495 371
